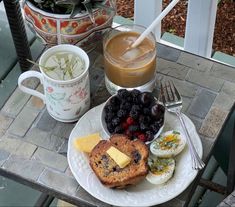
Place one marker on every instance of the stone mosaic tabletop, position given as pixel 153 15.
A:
pixel 33 145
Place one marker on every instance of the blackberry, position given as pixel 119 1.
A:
pixel 146 111
pixel 133 128
pixel 135 108
pixel 141 118
pixel 121 113
pixel 146 98
pixel 147 119
pixel 161 108
pixel 115 108
pixel 110 128
pixel 155 111
pixel 116 121
pixel 155 128
pixel 149 135
pixel 143 127
pixel 134 114
pixel 135 93
pixel 118 129
pixel 129 98
pixel 159 122
pixel 109 116
pixel 123 94
pixel 125 105
pixel 144 119
pixel 108 108
pixel 115 101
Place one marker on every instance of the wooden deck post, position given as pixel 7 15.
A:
pixel 146 11
pixel 200 26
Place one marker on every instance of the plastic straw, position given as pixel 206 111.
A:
pixel 154 23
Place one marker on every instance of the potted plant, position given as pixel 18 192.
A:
pixel 78 22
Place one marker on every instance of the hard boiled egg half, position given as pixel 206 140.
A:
pixel 168 144
pixel 161 170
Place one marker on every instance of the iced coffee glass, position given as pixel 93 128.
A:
pixel 127 67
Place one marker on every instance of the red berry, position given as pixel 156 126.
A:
pixel 124 125
pixel 130 121
pixel 137 133
pixel 142 137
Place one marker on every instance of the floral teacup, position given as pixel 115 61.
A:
pixel 66 100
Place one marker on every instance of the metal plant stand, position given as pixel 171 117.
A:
pixel 18 32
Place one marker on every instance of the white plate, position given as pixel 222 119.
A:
pixel 144 193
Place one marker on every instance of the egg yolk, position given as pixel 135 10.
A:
pixel 169 141
pixel 160 166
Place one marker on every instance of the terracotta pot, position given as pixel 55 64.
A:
pixel 55 29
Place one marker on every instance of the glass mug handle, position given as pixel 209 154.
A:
pixel 30 74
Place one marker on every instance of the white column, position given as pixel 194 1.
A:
pixel 200 25
pixel 146 11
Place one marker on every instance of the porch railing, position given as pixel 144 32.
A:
pixel 200 23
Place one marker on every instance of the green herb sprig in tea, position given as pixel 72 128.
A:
pixel 63 65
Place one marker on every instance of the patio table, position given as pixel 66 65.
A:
pixel 33 145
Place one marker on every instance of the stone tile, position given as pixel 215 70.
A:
pixel 36 136
pixel 222 204
pixel 96 77
pixel 224 101
pixel 63 129
pixel 167 53
pixel 202 103
pixel 3 156
pixel 68 172
pixel 99 62
pixel 207 144
pixel 23 121
pixel 44 139
pixel 59 182
pixel 81 193
pixel 64 148
pixel 223 72
pixel 204 80
pixel 101 95
pixel 186 103
pixel 36 102
pixel 213 123
pixel 197 122
pixel 230 200
pixel 25 150
pixel 93 56
pixel 5 122
pixel 228 88
pixel 2 132
pixel 194 62
pixel 18 99
pixel 51 159
pixel 15 103
pixel 28 169
pixel 171 69
pixel 10 144
pixel 46 122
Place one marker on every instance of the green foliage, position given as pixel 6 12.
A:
pixel 71 7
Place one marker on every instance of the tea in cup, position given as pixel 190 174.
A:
pixel 65 78
pixel 127 67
